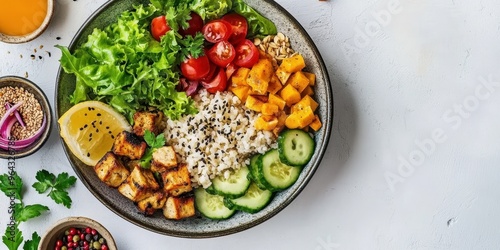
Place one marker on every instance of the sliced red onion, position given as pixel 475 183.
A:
pixel 192 88
pixel 8 113
pixel 6 144
pixel 7 128
pixel 16 113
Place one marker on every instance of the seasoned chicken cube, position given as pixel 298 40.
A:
pixel 129 145
pixel 164 158
pixel 139 185
pixel 152 203
pixel 148 120
pixel 179 207
pixel 111 170
pixel 177 180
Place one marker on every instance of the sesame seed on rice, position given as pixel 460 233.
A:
pixel 221 137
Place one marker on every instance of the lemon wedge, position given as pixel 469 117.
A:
pixel 89 129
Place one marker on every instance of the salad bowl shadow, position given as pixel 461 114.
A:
pixel 199 226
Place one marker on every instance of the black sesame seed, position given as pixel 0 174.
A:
pixel 85 126
pixel 58 38
pixel 88 154
pixel 98 114
pixel 112 137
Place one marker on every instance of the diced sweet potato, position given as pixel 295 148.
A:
pixel 254 103
pixel 260 75
pixel 305 117
pixel 290 95
pixel 299 81
pixel 239 77
pixel 274 85
pixel 282 75
pixel 292 121
pixel 316 123
pixel 305 101
pixel 293 64
pixel 269 109
pixel 274 99
pixel 266 122
pixel 307 91
pixel 240 91
pixel 311 77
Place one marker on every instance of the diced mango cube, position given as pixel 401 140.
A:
pixel 311 77
pixel 290 95
pixel 240 77
pixel 299 81
pixel 316 123
pixel 293 64
pixel 275 99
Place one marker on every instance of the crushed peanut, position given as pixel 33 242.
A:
pixel 277 46
pixel 31 111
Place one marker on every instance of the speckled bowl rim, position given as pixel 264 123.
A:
pixel 44 103
pixel 36 33
pixel 61 225
pixel 212 230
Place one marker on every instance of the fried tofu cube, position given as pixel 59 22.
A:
pixel 111 170
pixel 164 158
pixel 177 181
pixel 148 120
pixel 152 203
pixel 130 145
pixel 179 207
pixel 140 184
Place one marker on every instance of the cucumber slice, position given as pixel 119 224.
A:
pixel 233 187
pixel 275 174
pixel 296 147
pixel 211 206
pixel 254 200
pixel 210 189
pixel 254 169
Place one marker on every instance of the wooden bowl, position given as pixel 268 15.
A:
pixel 56 231
pixel 35 33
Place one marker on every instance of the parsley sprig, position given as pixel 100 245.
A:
pixel 12 186
pixel 154 142
pixel 57 185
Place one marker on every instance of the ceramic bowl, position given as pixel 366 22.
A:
pixel 199 226
pixel 15 81
pixel 56 231
pixel 34 34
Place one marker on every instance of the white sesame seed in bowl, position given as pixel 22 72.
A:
pixel 219 138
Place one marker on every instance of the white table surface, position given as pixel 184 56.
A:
pixel 413 161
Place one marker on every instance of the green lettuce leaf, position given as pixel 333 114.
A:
pixel 211 9
pixel 258 25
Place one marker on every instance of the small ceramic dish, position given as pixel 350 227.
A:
pixel 39 95
pixel 58 232
pixel 36 33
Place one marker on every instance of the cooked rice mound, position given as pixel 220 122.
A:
pixel 219 138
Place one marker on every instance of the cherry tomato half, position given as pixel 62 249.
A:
pixel 159 27
pixel 195 25
pixel 217 30
pixel 222 53
pixel 195 68
pixel 230 69
pixel 218 83
pixel 246 54
pixel 239 27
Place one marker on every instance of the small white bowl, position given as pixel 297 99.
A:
pixel 34 34
pixel 56 232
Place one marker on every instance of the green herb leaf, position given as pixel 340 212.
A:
pixel 30 211
pixel 33 243
pixel 57 186
pixel 11 185
pixel 192 46
pixel 154 141
pixel 12 237
pixel 61 197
